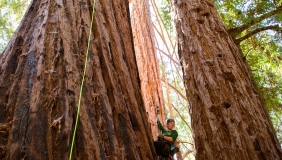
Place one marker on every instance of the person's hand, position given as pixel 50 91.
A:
pixel 160 135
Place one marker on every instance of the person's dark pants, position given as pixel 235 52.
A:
pixel 162 148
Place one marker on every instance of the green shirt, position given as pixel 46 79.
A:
pixel 172 133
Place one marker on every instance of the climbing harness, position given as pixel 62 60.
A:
pixel 164 158
pixel 171 154
pixel 172 149
pixel 83 78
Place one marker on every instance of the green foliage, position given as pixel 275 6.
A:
pixel 11 12
pixel 165 10
pixel 264 58
pixel 237 12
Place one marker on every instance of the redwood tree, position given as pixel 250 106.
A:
pixel 40 76
pixel 145 51
pixel 229 116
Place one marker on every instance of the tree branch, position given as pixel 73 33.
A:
pixel 236 31
pixel 188 152
pixel 176 90
pixel 275 28
pixel 169 56
pixel 183 119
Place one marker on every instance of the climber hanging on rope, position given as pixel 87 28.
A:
pixel 166 145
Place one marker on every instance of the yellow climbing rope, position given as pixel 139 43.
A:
pixel 82 82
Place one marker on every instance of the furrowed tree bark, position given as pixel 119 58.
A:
pixel 40 76
pixel 145 50
pixel 229 116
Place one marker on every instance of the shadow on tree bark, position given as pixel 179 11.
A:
pixel 40 77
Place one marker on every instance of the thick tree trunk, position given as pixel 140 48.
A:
pixel 229 116
pixel 40 77
pixel 145 50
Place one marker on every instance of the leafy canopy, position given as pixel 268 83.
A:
pixel 11 12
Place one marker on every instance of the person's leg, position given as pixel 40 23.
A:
pixel 161 148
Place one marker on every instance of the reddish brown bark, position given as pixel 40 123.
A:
pixel 229 116
pixel 40 77
pixel 145 50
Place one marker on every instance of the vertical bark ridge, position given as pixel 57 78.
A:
pixel 145 50
pixel 229 117
pixel 47 60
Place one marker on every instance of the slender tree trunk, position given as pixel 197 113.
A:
pixel 145 50
pixel 229 116
pixel 40 76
